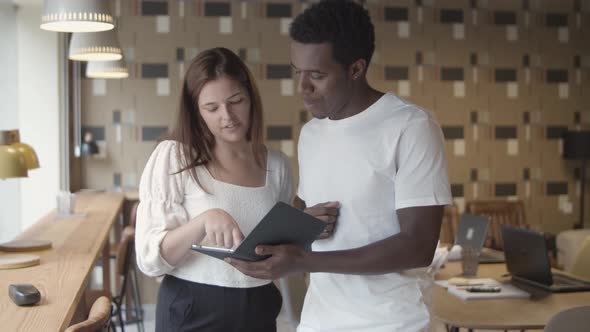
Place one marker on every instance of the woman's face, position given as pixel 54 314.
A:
pixel 224 104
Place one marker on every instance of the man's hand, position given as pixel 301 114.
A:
pixel 328 213
pixel 284 259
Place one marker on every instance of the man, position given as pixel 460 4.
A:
pixel 377 156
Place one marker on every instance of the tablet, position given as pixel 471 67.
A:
pixel 283 224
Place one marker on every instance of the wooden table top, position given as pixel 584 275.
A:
pixel 63 273
pixel 533 313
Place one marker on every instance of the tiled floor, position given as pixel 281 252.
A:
pixel 283 322
pixel 283 325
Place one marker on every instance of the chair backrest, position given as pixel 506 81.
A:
pixel 450 224
pixel 133 213
pixel 498 213
pixel 124 260
pixel 125 250
pixel 99 317
pixel 581 266
pixel 571 320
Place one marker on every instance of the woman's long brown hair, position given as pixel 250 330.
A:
pixel 191 131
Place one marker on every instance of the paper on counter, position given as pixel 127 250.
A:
pixel 508 290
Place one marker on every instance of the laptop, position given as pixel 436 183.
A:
pixel 472 233
pixel 527 262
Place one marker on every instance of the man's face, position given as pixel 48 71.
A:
pixel 323 83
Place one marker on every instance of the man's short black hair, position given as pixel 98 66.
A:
pixel 344 24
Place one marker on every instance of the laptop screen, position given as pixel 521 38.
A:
pixel 526 254
pixel 472 231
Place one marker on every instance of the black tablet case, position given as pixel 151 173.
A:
pixel 283 224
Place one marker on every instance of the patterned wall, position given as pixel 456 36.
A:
pixel 504 78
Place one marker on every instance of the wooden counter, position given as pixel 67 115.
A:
pixel 64 271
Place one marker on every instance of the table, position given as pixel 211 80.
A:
pixel 501 314
pixel 64 271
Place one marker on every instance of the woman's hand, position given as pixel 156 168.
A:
pixel 221 229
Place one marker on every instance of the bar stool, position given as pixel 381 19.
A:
pixel 124 271
pixel 99 318
pixel 129 217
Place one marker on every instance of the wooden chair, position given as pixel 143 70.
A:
pixel 99 318
pixel 124 268
pixel 129 219
pixel 133 294
pixel 499 213
pixel 133 213
pixel 450 224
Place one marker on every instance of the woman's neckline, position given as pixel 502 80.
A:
pixel 240 186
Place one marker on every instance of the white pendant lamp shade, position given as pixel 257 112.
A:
pixel 107 69
pixel 95 46
pixel 77 16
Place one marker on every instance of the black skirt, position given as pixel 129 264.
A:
pixel 189 306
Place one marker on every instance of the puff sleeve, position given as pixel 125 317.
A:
pixel 161 195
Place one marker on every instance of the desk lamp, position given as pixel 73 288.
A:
pixel 16 159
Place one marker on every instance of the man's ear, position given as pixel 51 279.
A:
pixel 357 69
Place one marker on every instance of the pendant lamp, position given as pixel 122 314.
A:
pixel 107 69
pixel 77 16
pixel 95 46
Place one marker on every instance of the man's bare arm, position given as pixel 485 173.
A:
pixel 412 247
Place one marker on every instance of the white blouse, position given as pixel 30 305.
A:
pixel 169 200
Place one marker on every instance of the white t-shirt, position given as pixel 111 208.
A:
pixel 168 201
pixel 388 157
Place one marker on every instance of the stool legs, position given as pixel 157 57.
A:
pixel 137 301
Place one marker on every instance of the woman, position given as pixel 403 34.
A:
pixel 211 183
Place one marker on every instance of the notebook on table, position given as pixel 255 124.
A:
pixel 507 291
pixel 283 224
pixel 527 262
